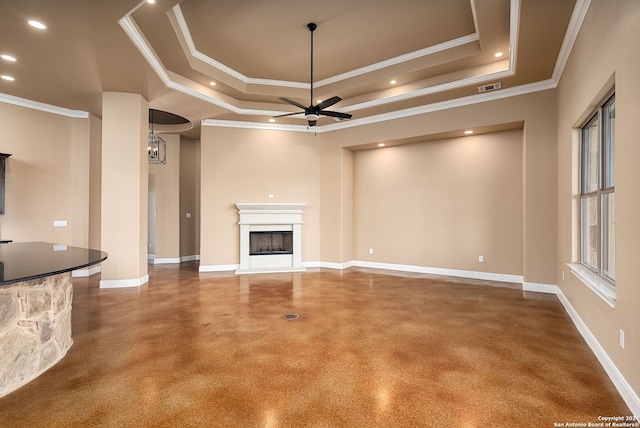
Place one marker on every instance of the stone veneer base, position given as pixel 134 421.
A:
pixel 35 328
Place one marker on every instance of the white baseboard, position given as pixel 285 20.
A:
pixel 166 260
pixel 217 268
pixel 122 283
pixel 83 273
pixel 518 279
pixel 540 288
pixel 628 394
pixel 189 258
pixel 328 265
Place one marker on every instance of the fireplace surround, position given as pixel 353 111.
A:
pixel 270 237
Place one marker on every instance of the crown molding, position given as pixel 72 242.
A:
pixel 575 23
pixel 398 114
pixel 36 105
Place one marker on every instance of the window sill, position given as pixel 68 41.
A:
pixel 602 288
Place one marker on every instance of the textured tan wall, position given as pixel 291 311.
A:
pixel 95 182
pixel 189 197
pixel 124 186
pixel 39 175
pixel 240 165
pixel 167 189
pixel 537 111
pixel 605 51
pixel 442 203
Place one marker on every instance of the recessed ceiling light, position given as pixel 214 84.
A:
pixel 272 120
pixel 8 58
pixel 393 82
pixel 37 24
pixel 380 144
pixel 498 54
pixel 151 1
pixel 469 132
pixel 212 83
pixel 5 77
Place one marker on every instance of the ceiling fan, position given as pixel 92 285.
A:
pixel 313 112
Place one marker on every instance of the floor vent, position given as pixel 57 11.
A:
pixel 490 87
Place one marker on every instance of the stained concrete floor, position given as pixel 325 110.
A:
pixel 368 348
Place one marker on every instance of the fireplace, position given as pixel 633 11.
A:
pixel 270 238
pixel 265 243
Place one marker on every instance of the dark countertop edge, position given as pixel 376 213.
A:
pixel 52 273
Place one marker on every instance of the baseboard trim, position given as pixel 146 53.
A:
pixel 217 268
pixel 540 287
pixel 166 260
pixel 490 276
pixel 123 283
pixel 328 265
pixel 83 273
pixel 626 391
pixel 189 258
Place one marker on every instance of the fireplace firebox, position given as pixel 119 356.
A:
pixel 265 243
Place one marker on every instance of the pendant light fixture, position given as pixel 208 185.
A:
pixel 157 147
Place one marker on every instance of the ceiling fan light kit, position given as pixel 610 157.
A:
pixel 313 112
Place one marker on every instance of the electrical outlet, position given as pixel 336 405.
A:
pixel 188 215
pixel 270 195
pixel 370 250
pixel 622 338
pixel 481 259
pixel 59 223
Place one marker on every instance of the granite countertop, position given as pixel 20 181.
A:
pixel 31 260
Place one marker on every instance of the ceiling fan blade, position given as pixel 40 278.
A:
pixel 328 103
pixel 288 114
pixel 287 100
pixel 335 114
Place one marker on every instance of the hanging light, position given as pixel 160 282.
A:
pixel 157 147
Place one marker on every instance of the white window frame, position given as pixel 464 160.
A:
pixel 597 184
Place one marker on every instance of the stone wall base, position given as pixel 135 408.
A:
pixel 35 328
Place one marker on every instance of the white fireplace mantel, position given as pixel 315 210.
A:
pixel 270 217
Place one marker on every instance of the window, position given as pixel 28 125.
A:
pixel 597 192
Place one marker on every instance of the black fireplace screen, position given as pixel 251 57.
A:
pixel 263 243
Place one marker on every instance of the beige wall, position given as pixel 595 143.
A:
pixel 166 178
pixel 442 203
pixel 125 173
pixel 189 197
pixel 240 165
pixel 41 176
pixel 606 51
pixel 537 236
pixel 95 182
